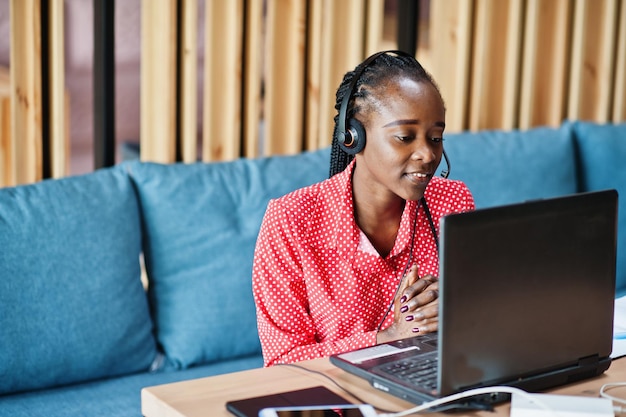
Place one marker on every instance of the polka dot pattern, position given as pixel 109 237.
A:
pixel 320 287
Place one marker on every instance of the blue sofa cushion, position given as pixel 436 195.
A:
pixel 201 223
pixel 72 306
pixel 116 397
pixel 504 167
pixel 601 153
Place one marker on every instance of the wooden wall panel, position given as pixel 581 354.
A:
pixel 545 63
pixel 26 109
pixel 158 80
pixel 593 57
pixel 499 64
pixel 529 63
pixel 222 118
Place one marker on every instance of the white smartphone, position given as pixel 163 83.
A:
pixel 355 410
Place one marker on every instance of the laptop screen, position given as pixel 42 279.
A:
pixel 526 289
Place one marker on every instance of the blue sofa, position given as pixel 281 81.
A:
pixel 81 332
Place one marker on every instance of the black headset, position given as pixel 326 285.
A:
pixel 350 132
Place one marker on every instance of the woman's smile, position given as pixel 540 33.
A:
pixel 419 178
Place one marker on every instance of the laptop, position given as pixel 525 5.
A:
pixel 526 299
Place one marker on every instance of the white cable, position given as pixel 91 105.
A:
pixel 610 385
pixel 471 393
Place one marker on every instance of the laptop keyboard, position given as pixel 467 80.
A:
pixel 421 372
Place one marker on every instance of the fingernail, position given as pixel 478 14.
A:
pixel 404 309
pixel 403 299
pixel 416 330
pixel 409 318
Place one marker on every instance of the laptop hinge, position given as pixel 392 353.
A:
pixel 589 360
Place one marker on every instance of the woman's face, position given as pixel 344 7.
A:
pixel 404 127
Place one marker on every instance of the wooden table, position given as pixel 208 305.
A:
pixel 207 396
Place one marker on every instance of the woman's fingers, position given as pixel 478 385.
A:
pixel 419 294
pixel 423 314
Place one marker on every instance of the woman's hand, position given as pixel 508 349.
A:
pixel 416 308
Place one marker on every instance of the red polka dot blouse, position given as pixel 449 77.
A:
pixel 319 285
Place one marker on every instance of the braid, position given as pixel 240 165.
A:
pixel 339 159
pixel 384 67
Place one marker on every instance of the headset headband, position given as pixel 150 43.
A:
pixel 343 109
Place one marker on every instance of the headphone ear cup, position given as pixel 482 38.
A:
pixel 353 139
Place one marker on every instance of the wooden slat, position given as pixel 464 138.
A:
pixel 221 139
pixel 253 73
pixel 479 100
pixel 450 50
pixel 374 20
pixel 26 128
pixel 68 119
pixel 330 73
pixel 592 60
pixel 7 177
pixel 607 60
pixel 313 74
pixel 59 139
pixel 532 28
pixel 284 100
pixel 6 154
pixel 5 80
pixel 546 63
pixel 343 48
pixel 188 126
pixel 512 63
pixel 496 60
pixel 619 97
pixel 158 80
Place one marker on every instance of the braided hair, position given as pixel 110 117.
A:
pixel 385 67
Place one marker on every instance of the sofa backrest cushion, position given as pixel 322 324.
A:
pixel 201 224
pixel 72 306
pixel 504 167
pixel 602 158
